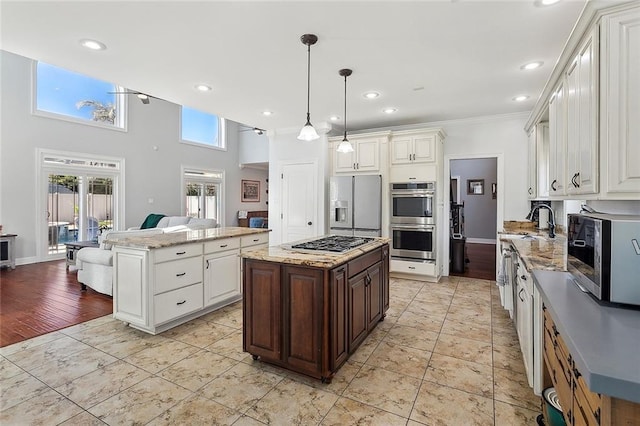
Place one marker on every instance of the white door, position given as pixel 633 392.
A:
pixel 299 201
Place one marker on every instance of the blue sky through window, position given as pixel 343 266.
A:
pixel 198 126
pixel 58 91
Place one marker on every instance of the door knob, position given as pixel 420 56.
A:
pixel 309 223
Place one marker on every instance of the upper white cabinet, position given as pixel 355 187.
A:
pixel 593 103
pixel 557 140
pixel 620 105
pixel 407 148
pixel 582 118
pixel 365 156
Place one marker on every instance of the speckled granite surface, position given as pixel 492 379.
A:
pixel 185 237
pixel 542 252
pixel 281 254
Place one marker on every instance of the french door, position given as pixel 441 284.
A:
pixel 79 199
pixel 203 194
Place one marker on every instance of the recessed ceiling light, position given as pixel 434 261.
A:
pixel 334 118
pixel 371 95
pixel 545 2
pixel 521 98
pixel 532 65
pixel 389 110
pixel 203 87
pixel 267 113
pixel 92 44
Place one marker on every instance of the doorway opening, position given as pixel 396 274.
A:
pixel 473 205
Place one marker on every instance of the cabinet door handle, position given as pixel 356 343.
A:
pixel 523 277
pixel 555 330
pixel 354 166
pixel 553 185
pixel 358 166
pixel 519 295
pixel 181 274
pixel 207 264
pixel 577 177
pixel 180 253
pixel 530 191
pixel 181 303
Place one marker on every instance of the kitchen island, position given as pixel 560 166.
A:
pixel 308 312
pixel 163 280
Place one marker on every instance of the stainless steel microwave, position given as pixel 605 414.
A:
pixel 603 255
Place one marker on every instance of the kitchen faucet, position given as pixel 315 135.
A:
pixel 552 220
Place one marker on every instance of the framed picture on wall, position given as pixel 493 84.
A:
pixel 250 191
pixel 475 186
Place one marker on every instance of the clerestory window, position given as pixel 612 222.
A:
pixel 67 95
pixel 202 128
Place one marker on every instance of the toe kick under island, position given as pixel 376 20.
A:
pixel 308 312
pixel 164 280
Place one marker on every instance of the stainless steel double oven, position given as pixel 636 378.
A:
pixel 413 226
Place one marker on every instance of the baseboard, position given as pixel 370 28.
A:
pixel 30 260
pixel 481 241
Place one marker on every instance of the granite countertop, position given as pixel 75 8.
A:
pixel 184 237
pixel 540 252
pixel 603 340
pixel 282 254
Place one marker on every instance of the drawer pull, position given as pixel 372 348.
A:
pixel 180 253
pixel 555 330
pixel 524 277
pixel 412 267
pixel 223 245
pixel 181 303
pixel 181 274
pixel 256 240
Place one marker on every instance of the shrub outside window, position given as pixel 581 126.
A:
pixel 202 128
pixel 72 96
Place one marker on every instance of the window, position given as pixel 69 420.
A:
pixel 202 128
pixel 65 94
pixel 203 194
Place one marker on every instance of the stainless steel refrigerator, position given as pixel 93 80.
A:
pixel 355 205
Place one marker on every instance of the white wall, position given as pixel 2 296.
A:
pixel 149 173
pixel 253 148
pixel 284 147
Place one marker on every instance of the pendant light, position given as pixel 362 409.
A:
pixel 345 145
pixel 308 133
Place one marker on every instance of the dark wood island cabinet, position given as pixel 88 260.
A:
pixel 309 316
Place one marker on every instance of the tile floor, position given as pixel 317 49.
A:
pixel 447 354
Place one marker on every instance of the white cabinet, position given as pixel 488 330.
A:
pixel 364 158
pixel 524 317
pixel 582 118
pixel 221 276
pixel 620 104
pixel 532 165
pixel 557 140
pixel 157 289
pixel 407 148
pixel 416 155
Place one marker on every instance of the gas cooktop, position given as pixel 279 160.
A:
pixel 332 243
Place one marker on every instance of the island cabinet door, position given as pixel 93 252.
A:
pixel 374 295
pixel 303 318
pixel 358 318
pixel 338 327
pixel 262 322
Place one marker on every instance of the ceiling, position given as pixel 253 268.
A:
pixel 432 60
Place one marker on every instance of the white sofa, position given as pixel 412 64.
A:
pixel 95 265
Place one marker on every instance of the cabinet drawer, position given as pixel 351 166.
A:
pixel 593 399
pixel 177 303
pixel 408 267
pixel 221 245
pixel 255 239
pixel 177 252
pixel 176 274
pixel 363 262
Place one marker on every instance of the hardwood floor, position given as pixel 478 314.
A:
pixel 42 297
pixel 481 262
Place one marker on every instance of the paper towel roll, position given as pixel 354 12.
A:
pixel 543 219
